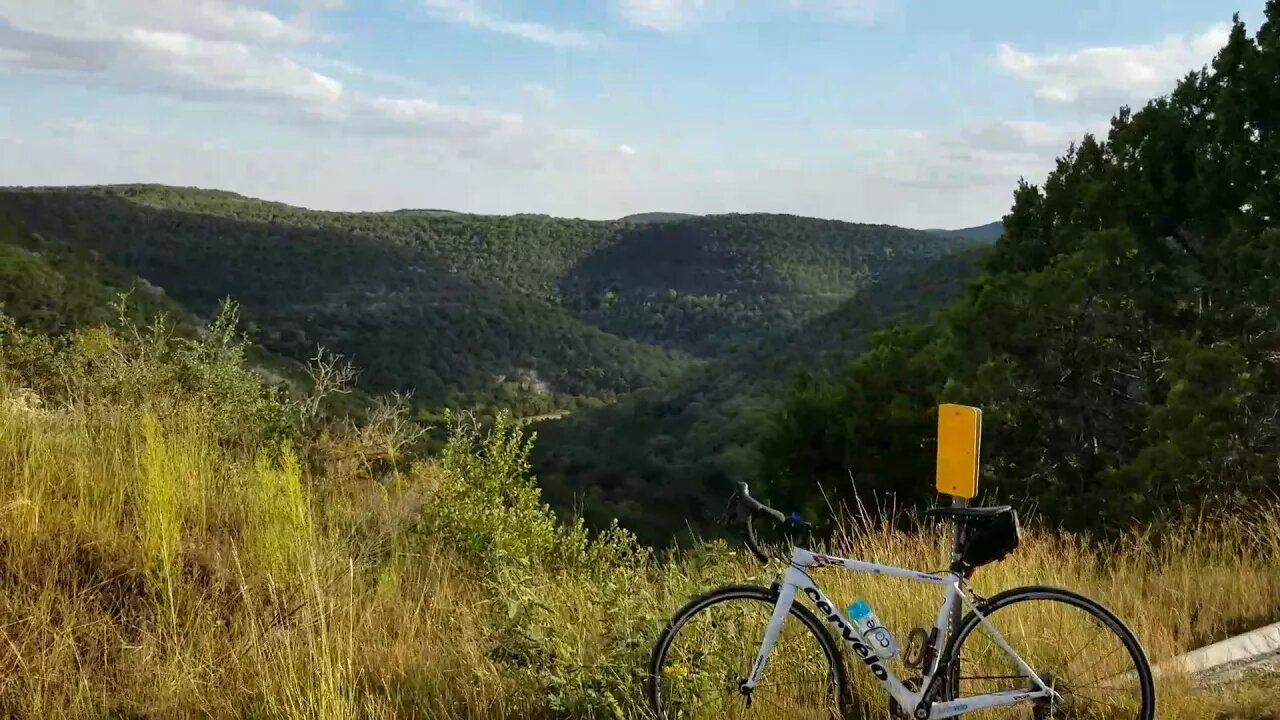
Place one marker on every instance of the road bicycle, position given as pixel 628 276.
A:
pixel 727 654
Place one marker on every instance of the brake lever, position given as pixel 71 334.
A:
pixel 727 515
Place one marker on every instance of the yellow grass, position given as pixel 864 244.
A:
pixel 149 570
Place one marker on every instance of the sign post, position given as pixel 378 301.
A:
pixel 959 449
pixel 959 445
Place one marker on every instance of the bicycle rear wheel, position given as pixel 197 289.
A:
pixel 1076 646
pixel 708 649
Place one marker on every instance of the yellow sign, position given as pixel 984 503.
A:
pixel 959 446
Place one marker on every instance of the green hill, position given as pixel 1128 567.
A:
pixel 411 318
pixel 537 312
pixel 692 324
pixel 710 285
pixel 53 287
pixel 990 231
pixel 649 217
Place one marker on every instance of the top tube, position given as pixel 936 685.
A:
pixel 806 559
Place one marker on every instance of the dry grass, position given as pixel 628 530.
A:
pixel 1176 591
pixel 148 569
pixel 147 572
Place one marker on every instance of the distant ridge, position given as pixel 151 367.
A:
pixel 422 211
pixel 652 217
pixel 990 231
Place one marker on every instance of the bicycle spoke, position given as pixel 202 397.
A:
pixel 1096 701
pixel 1099 681
pixel 1107 656
pixel 715 647
pixel 1081 651
pixel 771 665
pixel 1052 634
pixel 790 683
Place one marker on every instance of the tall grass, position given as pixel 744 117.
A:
pixel 159 560
pixel 1188 586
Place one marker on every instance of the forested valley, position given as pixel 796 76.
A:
pixel 689 326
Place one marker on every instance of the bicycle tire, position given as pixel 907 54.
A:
pixel 769 596
pixel 1030 593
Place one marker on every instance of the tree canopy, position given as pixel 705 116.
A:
pixel 1123 340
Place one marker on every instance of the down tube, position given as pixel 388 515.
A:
pixel 786 596
pixel 827 610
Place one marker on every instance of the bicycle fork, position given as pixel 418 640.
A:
pixel 786 596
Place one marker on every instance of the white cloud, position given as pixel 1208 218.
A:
pixel 249 69
pixel 397 82
pixel 471 12
pixel 1100 78
pixel 205 19
pixel 415 117
pixel 169 62
pixel 312 5
pixel 662 15
pixel 862 11
pixel 986 157
pixel 541 96
pixel 384 150
pixel 675 15
pixel 234 69
pixel 916 178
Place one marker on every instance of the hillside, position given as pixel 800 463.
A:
pixel 538 313
pixel 990 231
pixel 662 460
pixel 710 285
pixel 57 288
pixel 692 325
pixel 648 217
pixel 405 315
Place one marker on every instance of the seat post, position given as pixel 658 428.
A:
pixel 957 548
pixel 957 544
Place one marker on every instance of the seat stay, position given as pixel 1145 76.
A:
pixel 1004 645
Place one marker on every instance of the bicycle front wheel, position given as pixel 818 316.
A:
pixel 707 651
pixel 1076 646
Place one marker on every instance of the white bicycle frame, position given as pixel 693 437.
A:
pixel 796 580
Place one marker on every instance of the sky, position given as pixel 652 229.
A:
pixel 922 113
